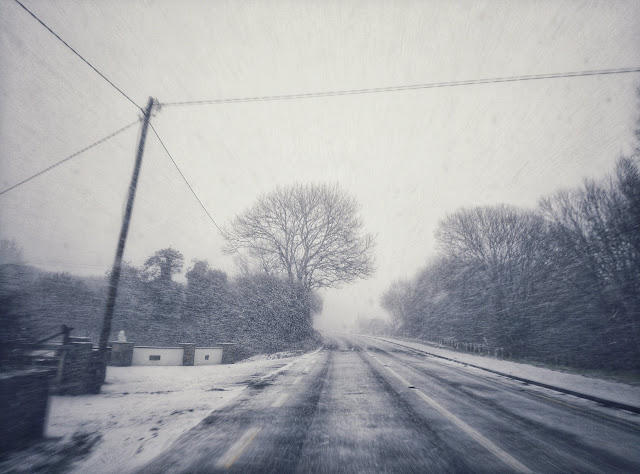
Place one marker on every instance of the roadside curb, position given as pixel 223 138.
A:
pixel 586 396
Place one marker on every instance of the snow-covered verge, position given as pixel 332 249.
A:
pixel 607 390
pixel 138 414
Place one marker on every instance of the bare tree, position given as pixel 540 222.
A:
pixel 504 248
pixel 597 228
pixel 396 301
pixel 310 234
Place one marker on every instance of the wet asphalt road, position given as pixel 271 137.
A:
pixel 364 405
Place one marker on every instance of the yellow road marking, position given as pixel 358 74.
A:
pixel 237 448
pixel 280 401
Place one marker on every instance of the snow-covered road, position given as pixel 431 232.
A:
pixel 359 404
pixel 363 405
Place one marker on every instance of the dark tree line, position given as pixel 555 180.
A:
pixel 289 244
pixel 559 283
pixel 260 313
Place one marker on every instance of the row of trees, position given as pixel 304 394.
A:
pixel 259 312
pixel 559 283
pixel 292 242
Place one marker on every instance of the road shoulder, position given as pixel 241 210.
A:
pixel 624 395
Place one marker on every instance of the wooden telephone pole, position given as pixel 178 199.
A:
pixel 117 263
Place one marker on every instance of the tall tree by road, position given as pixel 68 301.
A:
pixel 310 234
pixel 158 271
pixel 311 237
pixel 597 226
pixel 163 264
pixel 504 247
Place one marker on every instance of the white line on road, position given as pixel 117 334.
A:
pixel 395 374
pixel 237 448
pixel 499 453
pixel 280 401
pixel 502 455
pixel 297 380
pixel 400 377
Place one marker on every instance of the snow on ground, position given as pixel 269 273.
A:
pixel 142 410
pixel 614 391
pixel 277 355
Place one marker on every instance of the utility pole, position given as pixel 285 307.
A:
pixel 117 263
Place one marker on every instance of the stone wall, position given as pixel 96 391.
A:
pixel 24 397
pixel 121 354
pixel 79 371
pixel 229 353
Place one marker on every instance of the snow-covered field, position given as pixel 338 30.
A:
pixel 614 391
pixel 139 413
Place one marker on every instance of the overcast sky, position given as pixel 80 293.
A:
pixel 408 157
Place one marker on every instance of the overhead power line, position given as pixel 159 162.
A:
pixel 376 90
pixel 77 153
pixel 78 54
pixel 185 180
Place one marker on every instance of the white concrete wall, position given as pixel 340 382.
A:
pixel 214 353
pixel 168 355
